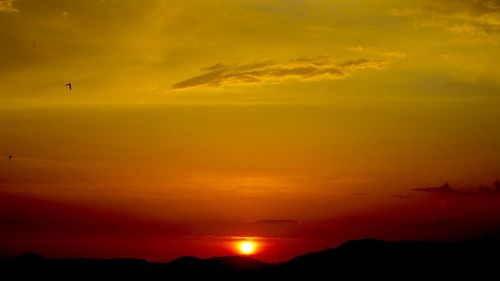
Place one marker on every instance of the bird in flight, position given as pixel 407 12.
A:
pixel 68 85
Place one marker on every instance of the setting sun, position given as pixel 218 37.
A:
pixel 246 247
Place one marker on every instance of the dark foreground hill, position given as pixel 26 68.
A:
pixel 354 260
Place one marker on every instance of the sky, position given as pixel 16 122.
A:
pixel 192 125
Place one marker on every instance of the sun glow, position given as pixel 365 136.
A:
pixel 246 247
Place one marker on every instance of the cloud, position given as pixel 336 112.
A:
pixel 466 17
pixel 276 222
pixel 375 52
pixel 482 190
pixel 403 196
pixel 7 6
pixel 303 69
pixel 491 4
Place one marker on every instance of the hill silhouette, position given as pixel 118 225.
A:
pixel 369 258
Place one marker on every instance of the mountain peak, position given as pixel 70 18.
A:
pixel 240 262
pixel 389 260
pixel 30 256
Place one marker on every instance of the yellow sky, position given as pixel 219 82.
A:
pixel 276 109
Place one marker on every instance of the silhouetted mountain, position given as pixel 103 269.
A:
pixel 240 263
pixel 400 260
pixel 219 266
pixel 369 258
pixel 31 257
pixel 445 188
pixel 229 263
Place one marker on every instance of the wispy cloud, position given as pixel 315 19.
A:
pixel 447 189
pixel 466 17
pixel 276 222
pixel 375 52
pixel 7 6
pixel 303 69
pixel 491 4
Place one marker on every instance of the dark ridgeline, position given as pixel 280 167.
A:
pixel 363 259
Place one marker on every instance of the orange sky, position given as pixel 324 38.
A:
pixel 193 124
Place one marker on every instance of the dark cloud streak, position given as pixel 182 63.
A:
pixel 303 69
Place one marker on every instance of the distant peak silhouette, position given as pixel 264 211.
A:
pixel 31 257
pixel 445 188
pixel 354 260
pixel 240 262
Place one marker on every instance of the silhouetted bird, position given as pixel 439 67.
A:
pixel 68 85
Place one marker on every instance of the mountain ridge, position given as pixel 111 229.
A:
pixel 371 257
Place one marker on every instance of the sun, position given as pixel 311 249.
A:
pixel 246 247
